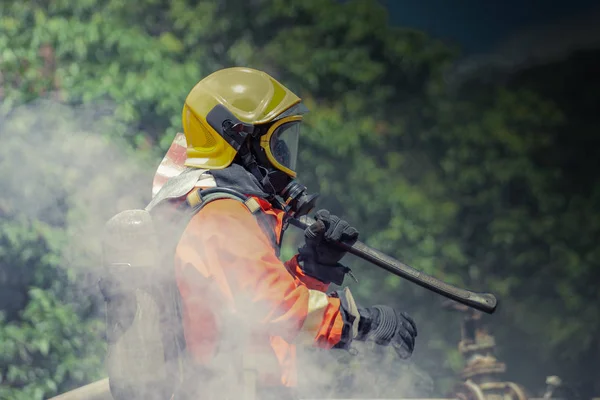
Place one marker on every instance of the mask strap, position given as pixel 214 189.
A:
pixel 249 162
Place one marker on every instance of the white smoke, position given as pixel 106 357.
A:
pixel 67 167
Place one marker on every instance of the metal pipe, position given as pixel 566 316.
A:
pixel 485 302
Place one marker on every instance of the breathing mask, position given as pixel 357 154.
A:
pixel 270 153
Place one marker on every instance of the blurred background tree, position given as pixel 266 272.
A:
pixel 488 184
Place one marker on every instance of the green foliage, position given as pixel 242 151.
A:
pixel 47 348
pixel 469 186
pixel 44 343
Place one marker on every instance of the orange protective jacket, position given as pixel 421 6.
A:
pixel 226 265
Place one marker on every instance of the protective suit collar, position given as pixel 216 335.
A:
pixel 237 177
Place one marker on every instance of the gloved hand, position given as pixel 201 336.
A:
pixel 386 326
pixel 380 324
pixel 319 257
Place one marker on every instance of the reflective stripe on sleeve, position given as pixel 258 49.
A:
pixel 317 304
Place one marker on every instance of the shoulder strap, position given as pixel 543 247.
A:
pixel 199 198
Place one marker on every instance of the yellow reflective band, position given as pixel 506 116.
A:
pixel 353 310
pixel 317 304
pixel 252 205
pixel 194 198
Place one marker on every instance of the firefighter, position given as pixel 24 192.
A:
pixel 242 127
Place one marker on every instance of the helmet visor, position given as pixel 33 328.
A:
pixel 284 144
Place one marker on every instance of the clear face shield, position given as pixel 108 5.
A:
pixel 281 144
pixel 284 145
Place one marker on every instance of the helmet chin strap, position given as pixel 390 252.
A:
pixel 272 180
pixel 248 161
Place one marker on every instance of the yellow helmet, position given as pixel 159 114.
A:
pixel 232 103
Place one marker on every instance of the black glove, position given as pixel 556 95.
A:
pixel 319 257
pixel 386 326
pixel 380 324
